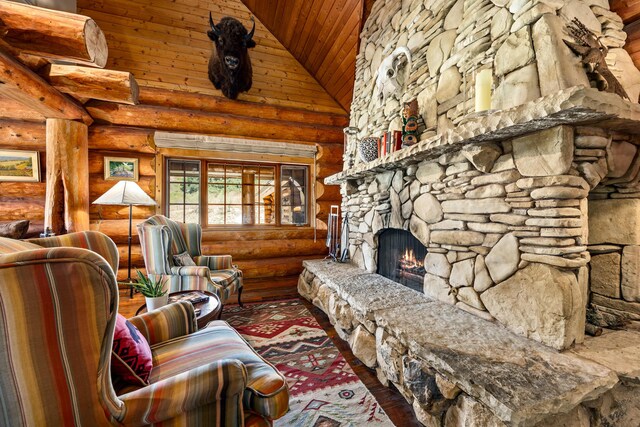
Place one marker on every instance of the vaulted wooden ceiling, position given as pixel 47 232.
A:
pixel 629 11
pixel 321 34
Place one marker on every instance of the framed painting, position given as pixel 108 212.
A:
pixel 121 169
pixel 19 166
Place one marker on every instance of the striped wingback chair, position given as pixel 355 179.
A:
pixel 161 238
pixel 58 310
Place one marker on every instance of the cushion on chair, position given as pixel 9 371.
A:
pixel 184 260
pixel 223 277
pixel 131 360
pixel 266 393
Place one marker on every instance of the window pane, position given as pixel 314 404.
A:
pixel 216 215
pixel 176 193
pixel 184 190
pixel 216 194
pixel 267 175
pixel 234 194
pixel 192 193
pixel 234 215
pixel 215 173
pixel 234 174
pixel 192 214
pixel 249 214
pixel 293 191
pixel 176 213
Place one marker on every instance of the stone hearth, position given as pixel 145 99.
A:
pixel 459 370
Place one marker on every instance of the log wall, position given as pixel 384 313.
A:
pixel 164 45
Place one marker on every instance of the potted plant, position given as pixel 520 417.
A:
pixel 153 290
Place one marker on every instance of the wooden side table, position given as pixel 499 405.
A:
pixel 209 310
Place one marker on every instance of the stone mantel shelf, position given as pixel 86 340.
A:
pixel 574 106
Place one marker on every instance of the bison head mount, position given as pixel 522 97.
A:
pixel 229 65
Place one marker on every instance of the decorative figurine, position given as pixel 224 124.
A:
pixel 410 123
pixel 593 54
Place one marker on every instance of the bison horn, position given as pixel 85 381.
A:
pixel 253 30
pixel 215 29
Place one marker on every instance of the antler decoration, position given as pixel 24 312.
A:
pixel 593 53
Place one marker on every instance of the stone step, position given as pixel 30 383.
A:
pixel 521 381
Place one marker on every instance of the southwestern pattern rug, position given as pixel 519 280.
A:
pixel 325 392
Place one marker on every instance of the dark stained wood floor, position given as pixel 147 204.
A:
pixel 398 410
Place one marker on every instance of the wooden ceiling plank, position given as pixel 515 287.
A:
pixel 629 10
pixel 341 48
pixel 299 12
pixel 316 39
pixel 324 42
pixel 300 41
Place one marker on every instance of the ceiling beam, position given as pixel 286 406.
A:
pixel 53 34
pixel 93 83
pixel 19 83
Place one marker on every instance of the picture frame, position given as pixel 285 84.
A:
pixel 121 169
pixel 19 166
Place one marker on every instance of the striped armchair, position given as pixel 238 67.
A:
pixel 58 310
pixel 161 238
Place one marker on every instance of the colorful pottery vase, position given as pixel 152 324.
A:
pixel 368 149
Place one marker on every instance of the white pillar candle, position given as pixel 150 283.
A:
pixel 483 89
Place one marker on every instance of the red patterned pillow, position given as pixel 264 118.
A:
pixel 131 360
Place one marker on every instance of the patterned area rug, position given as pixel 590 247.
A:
pixel 325 392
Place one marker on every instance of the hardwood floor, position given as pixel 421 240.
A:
pixel 398 410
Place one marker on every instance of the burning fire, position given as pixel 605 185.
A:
pixel 408 260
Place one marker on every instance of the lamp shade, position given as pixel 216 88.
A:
pixel 125 193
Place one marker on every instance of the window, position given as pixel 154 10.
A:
pixel 184 190
pixel 215 193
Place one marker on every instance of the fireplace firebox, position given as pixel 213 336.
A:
pixel 401 258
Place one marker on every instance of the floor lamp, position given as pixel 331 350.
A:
pixel 126 193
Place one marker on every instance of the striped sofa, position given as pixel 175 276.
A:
pixel 58 305
pixel 161 238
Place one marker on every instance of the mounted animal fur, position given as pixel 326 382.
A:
pixel 593 54
pixel 230 65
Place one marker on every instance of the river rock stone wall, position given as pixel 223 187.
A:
pixel 506 225
pixel 450 40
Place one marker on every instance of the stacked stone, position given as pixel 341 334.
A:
pixel 489 215
pixel 610 163
pixel 450 40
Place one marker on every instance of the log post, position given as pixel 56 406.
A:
pixel 67 195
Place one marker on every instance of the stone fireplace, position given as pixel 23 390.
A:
pixel 401 258
pixel 529 213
